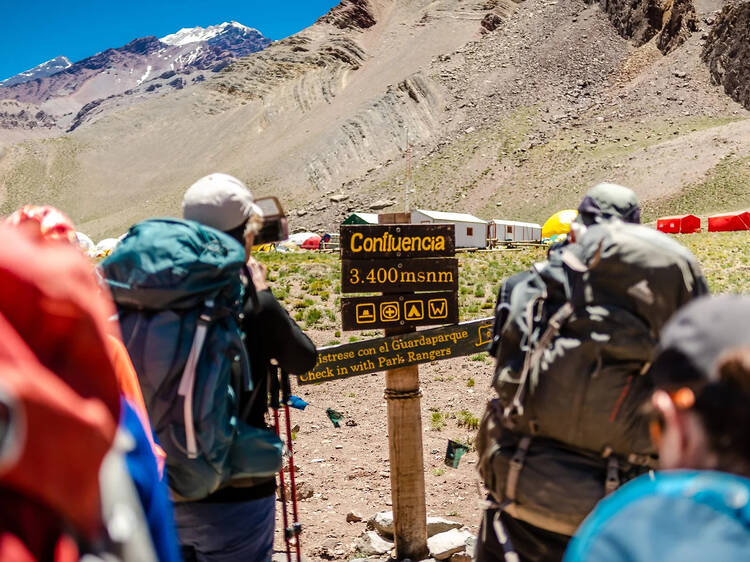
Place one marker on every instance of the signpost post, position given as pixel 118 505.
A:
pixel 399 260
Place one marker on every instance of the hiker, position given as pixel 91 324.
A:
pixel 145 460
pixel 70 440
pixel 202 326
pixel 698 506
pixel 577 331
pixel 604 201
pixel 239 519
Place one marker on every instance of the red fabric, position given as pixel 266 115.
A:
pixel 727 222
pixel 49 294
pixel 679 224
pixel 54 358
pixel 30 531
pixel 61 437
pixel 312 243
pixel 48 222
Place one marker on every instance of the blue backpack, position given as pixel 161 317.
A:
pixel 179 296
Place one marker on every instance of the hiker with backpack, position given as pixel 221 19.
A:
pixel 202 326
pixel 579 330
pixel 77 475
pixel 697 507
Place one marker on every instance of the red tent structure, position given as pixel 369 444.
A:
pixel 679 224
pixel 312 243
pixel 737 220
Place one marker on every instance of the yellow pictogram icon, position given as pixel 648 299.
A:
pixel 365 313
pixel 389 311
pixel 485 335
pixel 437 308
pixel 413 310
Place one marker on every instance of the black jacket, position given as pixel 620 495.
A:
pixel 270 333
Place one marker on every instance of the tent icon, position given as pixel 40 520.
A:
pixel 413 310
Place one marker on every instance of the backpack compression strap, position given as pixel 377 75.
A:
pixel 187 382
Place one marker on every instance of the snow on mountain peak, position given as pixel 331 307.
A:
pixel 194 34
pixel 47 68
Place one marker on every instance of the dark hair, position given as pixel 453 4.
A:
pixel 724 408
pixel 238 233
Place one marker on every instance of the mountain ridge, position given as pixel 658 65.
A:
pixel 62 94
pixel 428 106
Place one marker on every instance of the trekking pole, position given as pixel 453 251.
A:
pixel 296 528
pixel 274 388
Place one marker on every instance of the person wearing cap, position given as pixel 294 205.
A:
pixel 698 506
pixel 500 532
pixel 236 523
pixel 604 201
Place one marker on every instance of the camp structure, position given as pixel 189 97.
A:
pixel 559 223
pixel 726 222
pixel 361 218
pixel 471 232
pixel 679 224
pixel 513 231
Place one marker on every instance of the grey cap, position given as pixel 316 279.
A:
pixel 606 200
pixel 220 201
pixel 697 335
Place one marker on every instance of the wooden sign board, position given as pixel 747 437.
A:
pixel 399 276
pixel 386 311
pixel 375 355
pixel 361 242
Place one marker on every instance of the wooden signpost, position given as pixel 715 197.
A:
pixel 400 261
pixel 378 354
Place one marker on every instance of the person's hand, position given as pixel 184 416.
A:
pixel 257 273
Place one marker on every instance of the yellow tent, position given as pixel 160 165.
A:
pixel 269 247
pixel 559 223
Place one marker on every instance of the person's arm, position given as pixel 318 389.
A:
pixel 283 339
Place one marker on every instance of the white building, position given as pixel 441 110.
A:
pixel 471 232
pixel 514 231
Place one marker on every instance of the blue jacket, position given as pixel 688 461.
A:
pixel 671 516
pixel 152 490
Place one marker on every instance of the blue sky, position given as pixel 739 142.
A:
pixel 35 31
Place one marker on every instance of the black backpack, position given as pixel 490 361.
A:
pixel 581 328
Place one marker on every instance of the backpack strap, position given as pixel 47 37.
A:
pixel 516 464
pixel 613 475
pixel 533 356
pixel 187 382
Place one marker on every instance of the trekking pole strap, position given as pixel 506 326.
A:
pixel 516 464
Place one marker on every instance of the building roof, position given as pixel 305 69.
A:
pixel 517 223
pixel 451 217
pixel 369 218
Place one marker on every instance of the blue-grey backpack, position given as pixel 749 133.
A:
pixel 178 292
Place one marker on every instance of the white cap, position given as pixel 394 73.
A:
pixel 220 201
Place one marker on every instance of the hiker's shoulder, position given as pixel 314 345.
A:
pixel 651 516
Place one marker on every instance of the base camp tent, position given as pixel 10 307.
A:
pixel 559 223
pixel 679 224
pixel 738 220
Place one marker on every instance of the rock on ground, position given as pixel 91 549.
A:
pixel 442 545
pixel 371 543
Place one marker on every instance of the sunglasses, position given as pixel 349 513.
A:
pixel 663 402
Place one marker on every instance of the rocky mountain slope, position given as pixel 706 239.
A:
pixel 40 71
pixel 144 65
pixel 505 109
